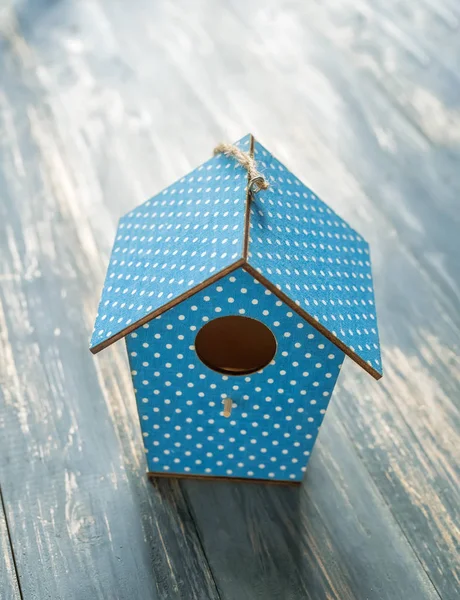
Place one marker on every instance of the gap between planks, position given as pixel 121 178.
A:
pixel 10 543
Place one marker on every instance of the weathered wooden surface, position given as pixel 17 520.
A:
pixel 8 580
pixel 100 107
pixel 334 537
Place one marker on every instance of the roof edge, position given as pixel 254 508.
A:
pixel 241 263
pixel 174 302
pixel 312 321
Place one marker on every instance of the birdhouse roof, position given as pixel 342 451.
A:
pixel 206 225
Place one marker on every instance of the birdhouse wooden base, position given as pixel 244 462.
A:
pixel 153 475
pixel 237 310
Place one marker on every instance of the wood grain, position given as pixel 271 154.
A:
pixel 101 107
pixel 84 520
pixel 8 579
pixel 407 428
pixel 73 471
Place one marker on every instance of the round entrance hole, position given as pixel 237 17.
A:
pixel 235 345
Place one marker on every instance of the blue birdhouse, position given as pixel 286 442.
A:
pixel 238 307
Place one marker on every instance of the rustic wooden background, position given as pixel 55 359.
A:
pixel 102 104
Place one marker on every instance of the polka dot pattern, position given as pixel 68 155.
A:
pixel 315 258
pixel 173 242
pixel 276 412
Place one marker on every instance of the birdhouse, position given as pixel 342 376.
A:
pixel 238 307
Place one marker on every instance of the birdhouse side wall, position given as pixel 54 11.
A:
pixel 276 412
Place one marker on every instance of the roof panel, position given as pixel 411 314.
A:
pixel 312 255
pixel 172 243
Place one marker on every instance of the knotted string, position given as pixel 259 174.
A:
pixel 256 180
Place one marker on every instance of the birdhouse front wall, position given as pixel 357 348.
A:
pixel 276 412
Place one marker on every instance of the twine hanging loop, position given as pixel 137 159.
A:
pixel 257 181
